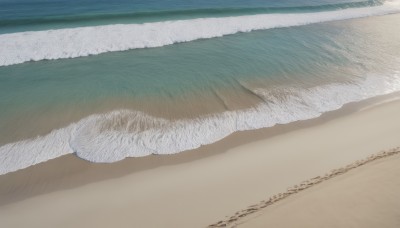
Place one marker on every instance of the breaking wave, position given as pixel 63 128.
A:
pixel 84 41
pixel 119 134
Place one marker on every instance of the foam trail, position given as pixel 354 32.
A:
pixel 21 47
pixel 119 134
pixel 19 155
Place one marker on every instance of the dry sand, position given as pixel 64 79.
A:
pixel 365 197
pixel 193 192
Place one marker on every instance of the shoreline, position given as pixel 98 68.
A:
pixel 194 189
pixel 70 171
pixel 198 114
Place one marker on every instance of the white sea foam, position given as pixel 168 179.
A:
pixel 76 42
pixel 124 133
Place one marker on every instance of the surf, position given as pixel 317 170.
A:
pixel 116 135
pixel 56 44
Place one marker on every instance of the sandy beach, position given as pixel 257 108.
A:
pixel 201 187
pixel 365 197
pixel 195 114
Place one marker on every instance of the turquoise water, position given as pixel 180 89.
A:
pixel 32 15
pixel 176 97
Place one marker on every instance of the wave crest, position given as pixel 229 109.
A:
pixel 119 134
pixel 84 41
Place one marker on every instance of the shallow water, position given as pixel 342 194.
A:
pixel 173 98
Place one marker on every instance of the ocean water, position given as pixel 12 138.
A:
pixel 109 80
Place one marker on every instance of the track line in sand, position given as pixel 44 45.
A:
pixel 302 186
